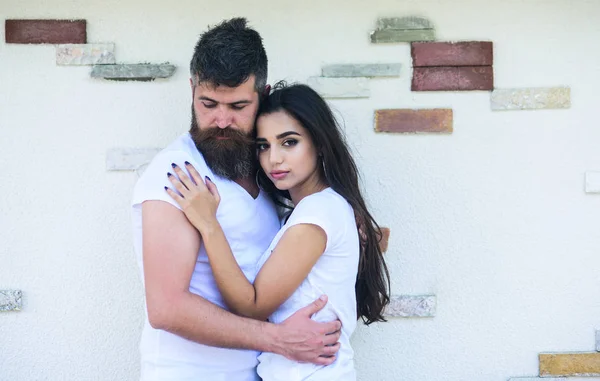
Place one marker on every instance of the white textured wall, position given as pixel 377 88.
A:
pixel 493 219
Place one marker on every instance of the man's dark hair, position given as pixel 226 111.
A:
pixel 228 54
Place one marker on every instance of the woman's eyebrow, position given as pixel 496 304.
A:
pixel 287 133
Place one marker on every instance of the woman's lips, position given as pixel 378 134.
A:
pixel 278 175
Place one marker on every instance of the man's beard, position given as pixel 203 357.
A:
pixel 231 158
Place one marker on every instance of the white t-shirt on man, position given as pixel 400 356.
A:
pixel 334 275
pixel 249 225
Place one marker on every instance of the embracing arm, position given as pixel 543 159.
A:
pixel 170 246
pixel 290 262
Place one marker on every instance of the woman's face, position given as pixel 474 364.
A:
pixel 286 151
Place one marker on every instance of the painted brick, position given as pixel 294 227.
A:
pixel 385 237
pixel 133 72
pixel 362 70
pixel 11 300
pixel 45 31
pixel 533 98
pixel 472 53
pixel 385 36
pixel 340 87
pixel 85 54
pixel 414 121
pixel 592 182
pixel 404 23
pixel 570 364
pixel 411 306
pixel 463 78
pixel 598 340
pixel 129 159
pixel 554 379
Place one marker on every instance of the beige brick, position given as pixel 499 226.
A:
pixel 414 121
pixel 385 236
pixel 570 364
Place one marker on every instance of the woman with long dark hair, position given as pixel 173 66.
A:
pixel 328 244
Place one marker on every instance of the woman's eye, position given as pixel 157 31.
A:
pixel 290 142
pixel 261 146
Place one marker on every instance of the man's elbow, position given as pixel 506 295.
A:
pixel 162 314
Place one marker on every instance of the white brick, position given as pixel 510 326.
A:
pixel 340 87
pixel 362 70
pixel 129 159
pixel 598 340
pixel 533 98
pixel 592 182
pixel 11 300
pixel 85 54
pixel 411 306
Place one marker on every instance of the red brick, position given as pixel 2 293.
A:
pixel 462 78
pixel 473 53
pixel 407 121
pixel 385 236
pixel 45 31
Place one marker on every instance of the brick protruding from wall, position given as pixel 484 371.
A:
pixel 570 364
pixel 462 78
pixel 385 236
pixel 11 300
pixel 472 53
pixel 45 31
pixel 414 121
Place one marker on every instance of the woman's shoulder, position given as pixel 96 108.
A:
pixel 326 202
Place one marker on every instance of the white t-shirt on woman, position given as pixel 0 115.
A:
pixel 334 275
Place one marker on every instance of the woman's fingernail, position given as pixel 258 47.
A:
pixel 187 163
pixel 208 178
pixel 166 188
pixel 173 165
pixel 169 174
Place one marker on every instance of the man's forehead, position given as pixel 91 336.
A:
pixel 225 93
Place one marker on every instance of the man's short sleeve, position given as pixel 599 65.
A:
pixel 152 183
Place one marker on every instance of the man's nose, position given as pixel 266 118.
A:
pixel 223 118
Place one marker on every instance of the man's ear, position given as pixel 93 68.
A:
pixel 266 91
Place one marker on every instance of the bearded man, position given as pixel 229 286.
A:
pixel 188 333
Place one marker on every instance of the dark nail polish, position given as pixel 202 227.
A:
pixel 187 163
pixel 169 174
pixel 166 188
pixel 173 165
pixel 208 178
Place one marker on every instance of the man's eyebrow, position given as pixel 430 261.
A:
pixel 236 103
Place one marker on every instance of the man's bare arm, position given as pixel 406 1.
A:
pixel 170 246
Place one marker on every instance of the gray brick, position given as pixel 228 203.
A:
pixel 411 306
pixel 404 23
pixel 362 70
pixel 133 72
pixel 340 87
pixel 85 54
pixel 598 341
pixel 129 159
pixel 393 35
pixel 11 300
pixel 533 98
